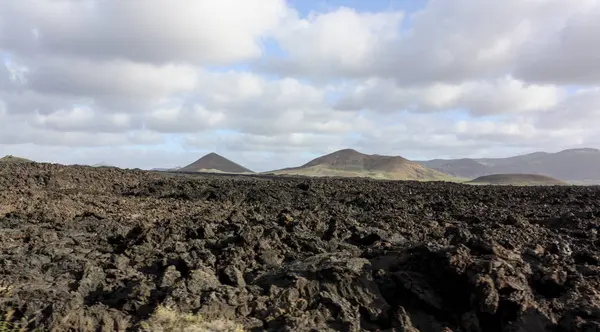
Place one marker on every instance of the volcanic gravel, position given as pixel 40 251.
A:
pixel 99 249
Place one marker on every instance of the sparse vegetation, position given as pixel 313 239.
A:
pixel 166 319
pixel 13 159
pixel 8 322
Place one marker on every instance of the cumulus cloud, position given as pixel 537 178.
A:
pixel 342 40
pixel 20 131
pixel 116 85
pixel 259 81
pixel 292 142
pixel 188 119
pixel 246 91
pixel 125 79
pixel 119 156
pixel 503 95
pixel 446 41
pixel 568 56
pixel 207 32
pixel 580 111
pixel 84 119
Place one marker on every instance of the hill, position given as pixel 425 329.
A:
pixel 518 180
pixel 13 159
pixel 466 168
pixel 572 165
pixel 351 163
pixel 102 164
pixel 214 163
pixel 162 169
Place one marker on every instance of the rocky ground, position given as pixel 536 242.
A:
pixel 102 249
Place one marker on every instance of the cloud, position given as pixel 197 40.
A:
pixel 114 86
pixel 204 32
pixel 287 143
pixel 581 110
pixel 341 40
pixel 447 42
pixel 246 91
pixel 567 56
pixel 74 128
pixel 84 119
pixel 124 79
pixel 429 136
pixel 500 96
pixel 181 120
pixel 145 158
pixel 262 83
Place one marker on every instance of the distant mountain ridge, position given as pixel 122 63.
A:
pixel 578 165
pixel 213 162
pixel 351 163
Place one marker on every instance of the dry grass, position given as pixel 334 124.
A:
pixel 5 288
pixel 166 319
pixel 8 323
pixel 408 174
pixel 216 171
pixel 13 159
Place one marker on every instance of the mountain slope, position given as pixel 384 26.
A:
pixel 13 159
pixel 568 165
pixel 351 163
pixel 466 168
pixel 213 162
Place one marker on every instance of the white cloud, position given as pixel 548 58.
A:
pixel 196 31
pixel 570 55
pixel 500 96
pixel 486 128
pixel 456 78
pixel 84 119
pixel 446 41
pixel 245 91
pixel 116 85
pixel 78 77
pixel 75 128
pixel 145 158
pixel 343 39
pixel 173 120
pixel 581 110
pixel 291 142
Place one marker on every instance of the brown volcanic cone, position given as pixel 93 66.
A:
pixel 518 179
pixel 352 160
pixel 349 162
pixel 213 162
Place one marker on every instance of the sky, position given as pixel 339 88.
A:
pixel 274 83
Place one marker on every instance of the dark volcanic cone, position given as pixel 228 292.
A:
pixel 215 162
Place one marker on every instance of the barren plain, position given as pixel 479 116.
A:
pixel 104 249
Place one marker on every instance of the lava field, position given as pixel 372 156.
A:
pixel 102 249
